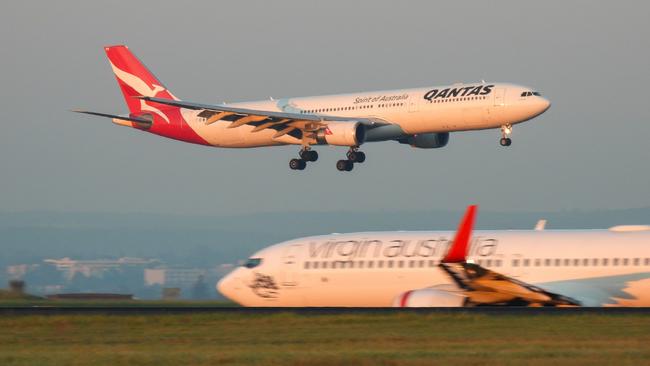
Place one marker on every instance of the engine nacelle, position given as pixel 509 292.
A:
pixel 429 298
pixel 427 140
pixel 342 134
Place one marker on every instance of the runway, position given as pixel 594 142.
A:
pixel 162 310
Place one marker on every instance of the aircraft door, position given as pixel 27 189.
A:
pixel 499 97
pixel 413 105
pixel 290 265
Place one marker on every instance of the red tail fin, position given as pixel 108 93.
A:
pixel 134 79
pixel 460 245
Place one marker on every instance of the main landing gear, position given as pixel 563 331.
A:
pixel 506 130
pixel 354 156
pixel 305 155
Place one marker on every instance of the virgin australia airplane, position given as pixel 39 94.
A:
pixel 427 269
pixel 422 118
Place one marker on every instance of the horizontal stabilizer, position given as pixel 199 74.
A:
pixel 115 116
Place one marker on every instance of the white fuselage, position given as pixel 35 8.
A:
pixel 458 107
pixel 596 267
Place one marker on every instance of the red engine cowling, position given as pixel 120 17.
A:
pixel 429 298
pixel 342 134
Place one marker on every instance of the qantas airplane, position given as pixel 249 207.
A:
pixel 427 269
pixel 422 118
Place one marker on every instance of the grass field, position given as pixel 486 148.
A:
pixel 354 339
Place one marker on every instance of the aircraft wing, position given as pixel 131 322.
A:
pixel 283 122
pixel 482 286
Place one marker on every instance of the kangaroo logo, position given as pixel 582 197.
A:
pixel 141 88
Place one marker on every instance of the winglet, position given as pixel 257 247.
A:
pixel 460 246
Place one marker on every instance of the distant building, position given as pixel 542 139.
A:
pixel 96 267
pixel 176 277
pixel 20 270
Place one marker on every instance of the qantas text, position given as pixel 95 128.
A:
pixel 458 92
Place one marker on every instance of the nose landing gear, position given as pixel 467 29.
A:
pixel 306 154
pixel 506 130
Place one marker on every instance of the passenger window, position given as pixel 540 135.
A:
pixel 585 262
pixel 324 265
pixel 605 261
pixel 625 261
pixel 636 261
pixel 515 262
pixel 615 262
pixel 497 263
pixel 432 263
pixel 526 262
pixel 576 262
pixel 594 262
pixel 316 265
pixel 547 262
pixel 306 265
pixel 390 263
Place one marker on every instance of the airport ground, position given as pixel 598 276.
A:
pixel 313 338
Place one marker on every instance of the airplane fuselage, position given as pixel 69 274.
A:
pixel 458 107
pixel 596 267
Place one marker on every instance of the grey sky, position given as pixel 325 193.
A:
pixel 589 151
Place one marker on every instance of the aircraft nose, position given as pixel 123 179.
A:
pixel 544 104
pixel 228 286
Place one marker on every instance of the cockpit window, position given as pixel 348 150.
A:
pixel 530 93
pixel 253 262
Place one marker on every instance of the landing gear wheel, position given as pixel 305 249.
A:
pixel 356 156
pixel 297 164
pixel 344 165
pixel 309 155
pixel 505 141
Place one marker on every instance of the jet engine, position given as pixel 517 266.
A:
pixel 429 298
pixel 342 134
pixel 426 140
